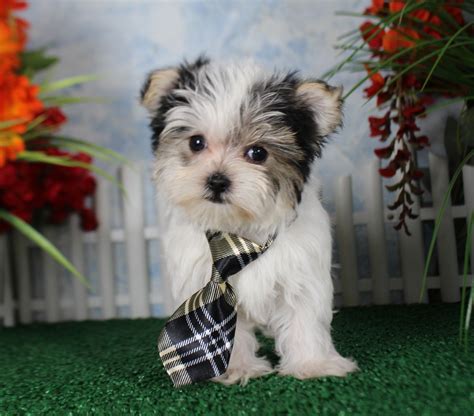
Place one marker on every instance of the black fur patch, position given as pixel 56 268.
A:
pixel 297 192
pixel 186 79
pixel 297 116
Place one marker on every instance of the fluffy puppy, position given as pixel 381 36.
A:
pixel 234 149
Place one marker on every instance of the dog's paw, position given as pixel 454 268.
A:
pixel 332 366
pixel 242 373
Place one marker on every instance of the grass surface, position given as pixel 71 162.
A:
pixel 409 358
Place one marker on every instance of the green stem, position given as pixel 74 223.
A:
pixel 467 255
pixel 442 52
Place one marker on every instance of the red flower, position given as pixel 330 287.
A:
pixel 7 6
pixel 388 172
pixel 423 141
pixel 380 126
pixel 421 14
pixel 7 176
pixel 410 81
pixel 407 126
pixel 26 188
pixel 384 152
pixel 88 220
pixel 428 29
pixel 419 142
pixel 372 34
pixel 400 38
pixel 378 82
pixel 402 156
pixel 413 110
pixel 383 97
pixel 54 117
pixel 456 12
pixel 83 157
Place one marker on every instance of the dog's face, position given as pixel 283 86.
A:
pixel 234 145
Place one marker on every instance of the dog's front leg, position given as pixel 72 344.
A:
pixel 303 335
pixel 244 362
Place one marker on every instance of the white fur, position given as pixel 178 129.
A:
pixel 288 291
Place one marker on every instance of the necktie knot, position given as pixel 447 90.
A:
pixel 231 253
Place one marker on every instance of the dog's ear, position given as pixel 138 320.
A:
pixel 158 84
pixel 325 102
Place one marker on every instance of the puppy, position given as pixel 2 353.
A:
pixel 234 151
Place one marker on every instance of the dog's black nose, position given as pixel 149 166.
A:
pixel 218 183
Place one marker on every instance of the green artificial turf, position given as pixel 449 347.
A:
pixel 409 358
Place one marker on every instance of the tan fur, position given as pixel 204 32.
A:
pixel 326 103
pixel 161 82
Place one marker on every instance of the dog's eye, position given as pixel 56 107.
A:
pixel 197 143
pixel 256 154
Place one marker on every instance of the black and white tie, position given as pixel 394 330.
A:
pixel 196 342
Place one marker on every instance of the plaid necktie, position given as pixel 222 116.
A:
pixel 197 340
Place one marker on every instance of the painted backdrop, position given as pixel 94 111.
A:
pixel 121 40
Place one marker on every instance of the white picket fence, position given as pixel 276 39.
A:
pixel 34 291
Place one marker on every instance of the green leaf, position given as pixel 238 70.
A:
pixel 428 56
pixel 35 61
pixel 66 83
pixel 442 52
pixel 10 123
pixel 55 100
pixel 42 242
pixel 445 103
pixel 38 132
pixel 35 123
pixel 40 157
pixel 91 148
pixel 466 319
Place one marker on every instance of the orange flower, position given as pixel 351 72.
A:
pixel 396 6
pixel 11 145
pixel 12 41
pixel 18 100
pixel 402 37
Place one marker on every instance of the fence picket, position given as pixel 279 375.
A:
pixel 8 303
pixel 168 306
pixel 412 257
pixel 51 280
pixel 376 236
pixel 346 241
pixel 23 277
pixel 135 239
pixel 468 179
pixel 104 247
pixel 79 290
pixel 446 243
